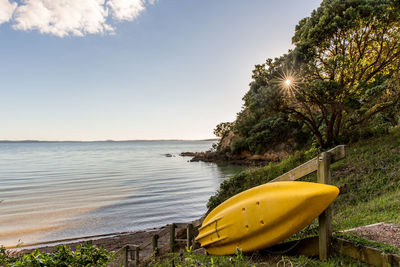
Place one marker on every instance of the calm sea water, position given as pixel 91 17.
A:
pixel 51 191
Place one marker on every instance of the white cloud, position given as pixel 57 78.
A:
pixel 126 9
pixel 61 17
pixel 72 17
pixel 6 10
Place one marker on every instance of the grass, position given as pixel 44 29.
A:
pixel 372 173
pixel 190 259
pixel 334 261
pixel 254 260
pixel 383 208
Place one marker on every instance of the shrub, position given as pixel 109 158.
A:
pixel 239 145
pixel 63 256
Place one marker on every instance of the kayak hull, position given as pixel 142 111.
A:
pixel 263 216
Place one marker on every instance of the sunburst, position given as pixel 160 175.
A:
pixel 288 82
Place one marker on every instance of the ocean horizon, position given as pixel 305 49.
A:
pixel 107 140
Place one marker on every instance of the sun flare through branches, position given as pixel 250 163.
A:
pixel 288 83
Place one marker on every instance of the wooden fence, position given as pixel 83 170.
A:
pixel 189 241
pixel 129 255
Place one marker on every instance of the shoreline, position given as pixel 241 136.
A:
pixel 109 241
pixel 71 240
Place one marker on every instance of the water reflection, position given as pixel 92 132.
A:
pixel 62 190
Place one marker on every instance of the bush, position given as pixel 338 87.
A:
pixel 63 256
pixel 239 145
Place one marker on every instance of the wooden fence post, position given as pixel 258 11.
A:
pixel 325 219
pixel 155 244
pixel 172 237
pixel 126 256
pixel 189 235
pixel 137 249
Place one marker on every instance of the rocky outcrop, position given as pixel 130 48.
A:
pixel 245 158
pixel 188 154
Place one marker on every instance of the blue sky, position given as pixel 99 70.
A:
pixel 162 69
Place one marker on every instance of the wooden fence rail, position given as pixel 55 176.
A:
pixel 322 165
pixel 337 153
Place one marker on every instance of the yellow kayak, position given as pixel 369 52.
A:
pixel 263 216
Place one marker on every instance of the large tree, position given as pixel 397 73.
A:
pixel 345 66
pixel 341 75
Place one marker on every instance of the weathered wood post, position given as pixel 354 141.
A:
pixel 325 219
pixel 126 255
pixel 155 244
pixel 172 237
pixel 189 231
pixel 136 249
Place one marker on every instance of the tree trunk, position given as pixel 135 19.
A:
pixel 338 125
pixel 329 129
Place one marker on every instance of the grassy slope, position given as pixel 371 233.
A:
pixel 372 174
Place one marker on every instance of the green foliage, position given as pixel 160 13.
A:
pixel 5 259
pixel 239 145
pixel 239 254
pixel 260 133
pixel 88 254
pixel 222 129
pixel 347 53
pixel 261 125
pixel 84 255
pixel 345 79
